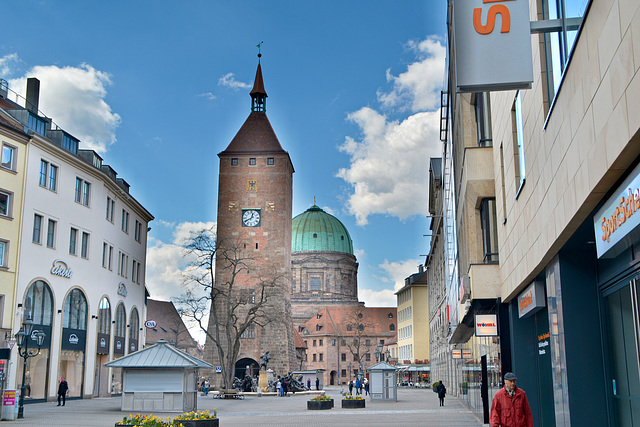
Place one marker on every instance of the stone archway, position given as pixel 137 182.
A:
pixel 246 366
pixel 333 378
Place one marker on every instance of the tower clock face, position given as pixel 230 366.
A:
pixel 251 218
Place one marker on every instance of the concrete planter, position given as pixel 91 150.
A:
pixel 315 405
pixel 353 403
pixel 213 422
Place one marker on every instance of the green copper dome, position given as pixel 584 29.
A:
pixel 316 230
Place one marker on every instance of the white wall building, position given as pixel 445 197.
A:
pixel 81 266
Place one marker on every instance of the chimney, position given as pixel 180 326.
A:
pixel 421 268
pixel 4 87
pixel 33 94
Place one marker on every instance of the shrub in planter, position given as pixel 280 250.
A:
pixel 320 402
pixel 350 402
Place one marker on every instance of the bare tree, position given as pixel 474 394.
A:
pixel 358 328
pixel 239 301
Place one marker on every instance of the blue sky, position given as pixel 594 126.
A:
pixel 159 88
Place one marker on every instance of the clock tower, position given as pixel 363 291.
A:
pixel 255 190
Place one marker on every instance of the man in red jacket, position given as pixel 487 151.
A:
pixel 510 407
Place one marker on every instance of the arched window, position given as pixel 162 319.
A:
pixel 392 327
pixel 104 316
pixel 121 321
pixel 75 310
pixel 38 304
pixel 134 325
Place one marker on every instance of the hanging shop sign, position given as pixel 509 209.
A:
pixel 486 325
pixel 466 354
pixel 618 219
pixel 456 354
pixel 492 45
pixel 118 345
pixel 73 339
pixel 531 299
pixel 60 268
pixel 104 340
pixel 150 324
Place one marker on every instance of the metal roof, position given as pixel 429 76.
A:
pixel 160 355
pixel 316 230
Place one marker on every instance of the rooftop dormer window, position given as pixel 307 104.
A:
pixel 36 124
pixel 70 144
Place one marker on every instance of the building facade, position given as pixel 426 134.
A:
pixel 80 264
pixel 413 321
pixel 546 218
pixel 342 342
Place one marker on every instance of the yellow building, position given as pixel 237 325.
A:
pixel 12 177
pixel 413 328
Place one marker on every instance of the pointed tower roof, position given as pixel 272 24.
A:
pixel 258 84
pixel 256 136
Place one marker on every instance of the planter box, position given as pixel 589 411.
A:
pixel 353 403
pixel 316 405
pixel 214 422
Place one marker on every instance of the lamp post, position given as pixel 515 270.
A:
pixel 387 355
pixel 349 366
pixel 378 353
pixel 23 338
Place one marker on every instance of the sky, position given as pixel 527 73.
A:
pixel 159 88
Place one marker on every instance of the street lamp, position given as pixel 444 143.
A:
pixel 349 366
pixel 387 355
pixel 23 338
pixel 378 352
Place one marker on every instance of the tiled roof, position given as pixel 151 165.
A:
pixel 161 355
pixel 258 84
pixel 255 136
pixel 334 321
pixel 170 326
pixel 299 342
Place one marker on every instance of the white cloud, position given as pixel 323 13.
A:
pixel 166 263
pixel 229 80
pixel 74 97
pixel 383 298
pixel 6 64
pixel 388 171
pixel 397 271
pixel 208 95
pixel 418 88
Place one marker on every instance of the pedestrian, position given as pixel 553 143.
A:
pixel 358 384
pixel 350 387
pixel 63 387
pixel 279 388
pixel 285 387
pixel 317 383
pixel 361 386
pixel 366 387
pixel 205 387
pixel 442 392
pixel 308 383
pixel 510 407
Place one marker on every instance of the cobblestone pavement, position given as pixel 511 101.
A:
pixel 415 407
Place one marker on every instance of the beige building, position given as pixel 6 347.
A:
pixel 14 143
pixel 413 327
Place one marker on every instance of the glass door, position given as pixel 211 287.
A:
pixel 624 324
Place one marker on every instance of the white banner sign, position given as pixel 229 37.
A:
pixel 486 325
pixel 492 45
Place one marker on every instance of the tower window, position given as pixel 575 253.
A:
pixel 341 237
pixel 315 235
pixel 270 161
pixel 315 283
pixel 256 245
pixel 252 161
pixel 234 161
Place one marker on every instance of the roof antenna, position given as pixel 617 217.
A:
pixel 314 200
pixel 259 54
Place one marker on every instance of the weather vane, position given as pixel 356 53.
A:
pixel 258 46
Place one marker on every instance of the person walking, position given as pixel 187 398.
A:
pixel 510 407
pixel 350 387
pixel 442 392
pixel 366 387
pixel 309 383
pixel 63 387
pixel 358 384
pixel 285 387
pixel 279 388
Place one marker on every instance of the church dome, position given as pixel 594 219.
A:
pixel 316 230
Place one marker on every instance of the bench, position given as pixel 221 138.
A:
pixel 228 394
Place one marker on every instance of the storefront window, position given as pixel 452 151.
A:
pixel 118 347
pixel 38 307
pixel 134 325
pixel 74 338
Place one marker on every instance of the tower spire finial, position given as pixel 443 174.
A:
pixel 259 54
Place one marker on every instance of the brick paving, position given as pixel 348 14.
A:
pixel 415 407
